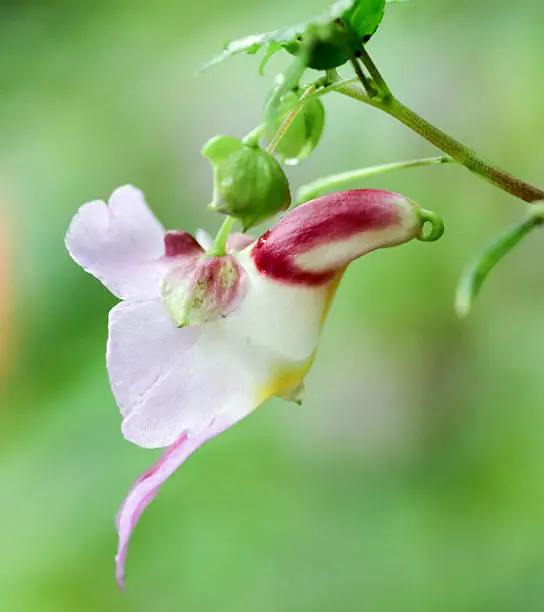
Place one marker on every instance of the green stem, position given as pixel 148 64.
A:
pixel 252 139
pixel 320 186
pixel 219 246
pixel 374 72
pixel 288 80
pixel 455 149
pixel 371 92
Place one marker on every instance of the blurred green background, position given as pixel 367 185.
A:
pixel 412 478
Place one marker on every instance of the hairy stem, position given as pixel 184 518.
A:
pixel 455 149
pixel 374 72
pixel 322 185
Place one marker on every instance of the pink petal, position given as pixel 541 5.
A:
pixel 168 380
pixel 238 241
pixel 315 241
pixel 120 243
pixel 210 290
pixel 147 486
pixel 178 243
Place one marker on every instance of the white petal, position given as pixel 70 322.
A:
pixel 120 243
pixel 168 381
pixel 281 319
pixel 143 343
pixel 204 239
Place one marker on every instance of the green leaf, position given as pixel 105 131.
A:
pixel 474 277
pixel 365 17
pixel 362 16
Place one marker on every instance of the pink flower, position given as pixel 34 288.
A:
pixel 250 320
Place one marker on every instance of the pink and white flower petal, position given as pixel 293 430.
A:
pixel 279 322
pixel 204 239
pixel 168 380
pixel 143 343
pixel 184 386
pixel 315 241
pixel 120 243
pixel 293 270
pixel 147 486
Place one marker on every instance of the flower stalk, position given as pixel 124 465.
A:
pixel 219 246
pixel 323 185
pixel 462 154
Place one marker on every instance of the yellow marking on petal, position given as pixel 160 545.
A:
pixel 331 292
pixel 288 376
pixel 285 378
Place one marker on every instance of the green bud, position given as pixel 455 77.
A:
pixel 327 45
pixel 249 184
pixel 304 133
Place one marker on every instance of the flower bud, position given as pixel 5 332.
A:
pixel 305 131
pixel 327 45
pixel 207 293
pixel 249 184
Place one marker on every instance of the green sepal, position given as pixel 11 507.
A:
pixel 249 183
pixel 219 147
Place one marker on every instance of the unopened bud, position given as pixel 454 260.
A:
pixel 326 45
pixel 303 134
pixel 249 184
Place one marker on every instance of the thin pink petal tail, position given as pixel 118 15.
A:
pixel 147 486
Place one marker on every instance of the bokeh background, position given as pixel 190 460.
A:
pixel 412 478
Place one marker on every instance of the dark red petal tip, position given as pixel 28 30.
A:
pixel 178 243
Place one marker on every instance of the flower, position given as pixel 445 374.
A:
pixel 248 338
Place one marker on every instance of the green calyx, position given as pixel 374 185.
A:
pixel 249 183
pixel 304 132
